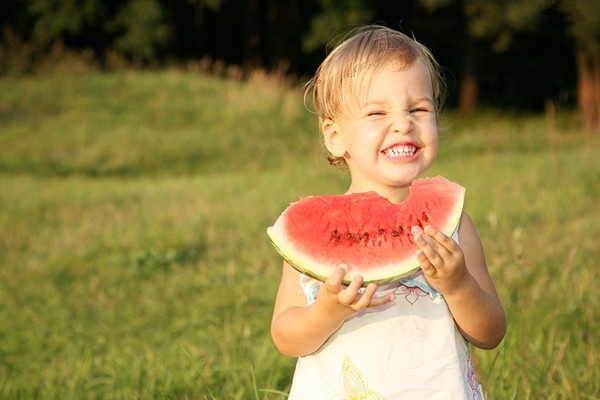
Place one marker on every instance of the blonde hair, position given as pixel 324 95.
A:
pixel 340 83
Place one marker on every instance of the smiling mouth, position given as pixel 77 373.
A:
pixel 400 151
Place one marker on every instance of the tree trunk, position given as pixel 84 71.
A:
pixel 469 85
pixel 588 90
pixel 251 40
pixel 282 21
pixel 468 94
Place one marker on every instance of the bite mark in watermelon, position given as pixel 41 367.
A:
pixel 365 231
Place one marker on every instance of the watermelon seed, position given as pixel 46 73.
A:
pixel 336 235
pixel 425 217
pixel 401 229
pixel 365 235
pixel 348 236
pixel 395 233
pixel 381 231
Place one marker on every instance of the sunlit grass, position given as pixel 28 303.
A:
pixel 134 261
pixel 106 125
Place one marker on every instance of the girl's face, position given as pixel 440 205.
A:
pixel 393 137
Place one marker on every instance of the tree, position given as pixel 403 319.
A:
pixel 493 20
pixel 54 19
pixel 336 18
pixel 140 29
pixel 584 18
pixel 135 28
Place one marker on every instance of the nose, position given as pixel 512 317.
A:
pixel 402 123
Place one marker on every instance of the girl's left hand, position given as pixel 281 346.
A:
pixel 441 259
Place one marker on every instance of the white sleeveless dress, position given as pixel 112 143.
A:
pixel 408 349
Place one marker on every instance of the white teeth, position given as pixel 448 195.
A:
pixel 400 151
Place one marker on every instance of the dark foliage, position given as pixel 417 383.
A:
pixel 535 67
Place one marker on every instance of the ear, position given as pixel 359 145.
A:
pixel 332 136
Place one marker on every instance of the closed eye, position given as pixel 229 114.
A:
pixel 420 109
pixel 422 106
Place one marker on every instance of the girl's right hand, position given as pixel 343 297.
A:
pixel 336 299
pixel 299 329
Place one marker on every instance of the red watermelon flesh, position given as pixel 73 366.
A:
pixel 365 231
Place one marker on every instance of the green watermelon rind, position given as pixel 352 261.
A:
pixel 391 273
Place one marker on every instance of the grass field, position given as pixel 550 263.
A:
pixel 134 262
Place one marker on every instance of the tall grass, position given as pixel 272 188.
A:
pixel 133 255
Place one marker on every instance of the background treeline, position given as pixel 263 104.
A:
pixel 513 54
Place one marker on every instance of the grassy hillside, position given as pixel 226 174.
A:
pixel 134 261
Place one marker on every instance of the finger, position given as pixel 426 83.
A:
pixel 427 252
pixel 337 276
pixel 351 294
pixel 360 299
pixel 380 301
pixel 422 239
pixel 334 281
pixel 443 241
pixel 426 265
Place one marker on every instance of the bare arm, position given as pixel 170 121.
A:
pixel 461 275
pixel 298 329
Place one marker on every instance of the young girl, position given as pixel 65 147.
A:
pixel 377 96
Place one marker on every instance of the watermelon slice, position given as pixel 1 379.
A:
pixel 365 231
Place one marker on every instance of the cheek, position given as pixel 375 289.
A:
pixel 434 152
pixel 359 137
pixel 432 132
pixel 433 140
pixel 436 142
